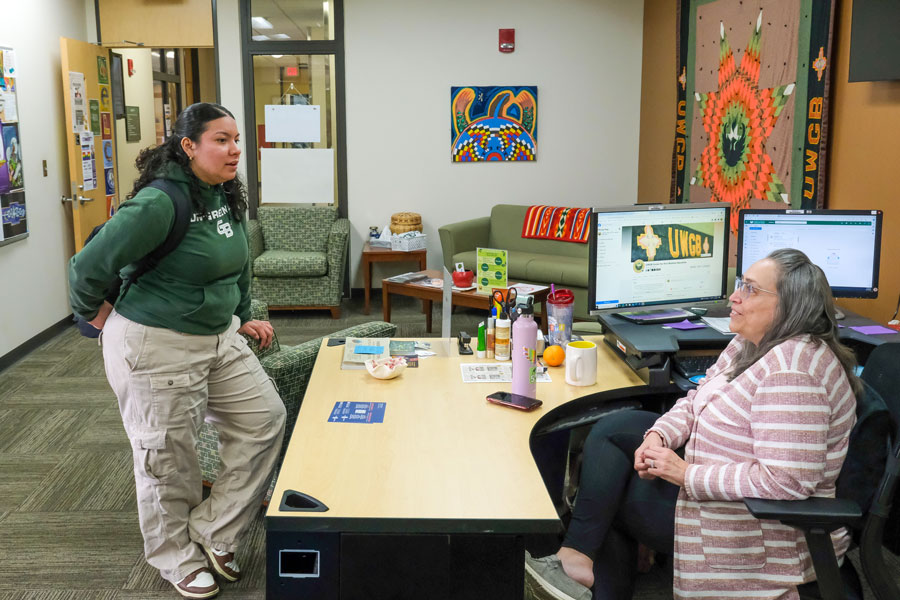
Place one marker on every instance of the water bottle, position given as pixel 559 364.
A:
pixel 524 354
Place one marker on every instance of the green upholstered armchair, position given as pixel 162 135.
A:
pixel 290 368
pixel 297 256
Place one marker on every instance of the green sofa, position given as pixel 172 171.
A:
pixel 530 261
pixel 290 368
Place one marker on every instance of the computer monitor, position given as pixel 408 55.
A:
pixel 657 256
pixel 846 244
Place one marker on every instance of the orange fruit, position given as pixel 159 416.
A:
pixel 554 355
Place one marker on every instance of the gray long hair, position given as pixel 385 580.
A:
pixel 805 306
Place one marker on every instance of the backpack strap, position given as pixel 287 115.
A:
pixel 183 210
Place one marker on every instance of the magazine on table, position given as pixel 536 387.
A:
pixel 358 350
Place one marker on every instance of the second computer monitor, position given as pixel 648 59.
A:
pixel 657 255
pixel 846 244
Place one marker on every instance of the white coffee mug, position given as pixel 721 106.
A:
pixel 581 363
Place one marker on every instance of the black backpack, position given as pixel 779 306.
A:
pixel 118 287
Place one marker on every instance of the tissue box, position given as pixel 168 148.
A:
pixel 407 244
pixel 380 243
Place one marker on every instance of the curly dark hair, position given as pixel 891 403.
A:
pixel 191 124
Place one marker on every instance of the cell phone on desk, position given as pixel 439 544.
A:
pixel 514 400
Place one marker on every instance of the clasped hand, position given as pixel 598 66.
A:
pixel 652 459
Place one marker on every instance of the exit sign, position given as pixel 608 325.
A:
pixel 291 71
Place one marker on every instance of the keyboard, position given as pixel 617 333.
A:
pixel 693 365
pixel 657 316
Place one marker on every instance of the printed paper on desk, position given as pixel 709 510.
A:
pixel 295 123
pixel 357 412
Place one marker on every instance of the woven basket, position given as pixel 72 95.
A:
pixel 402 222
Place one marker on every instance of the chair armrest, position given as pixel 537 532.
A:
pixel 367 330
pixel 827 513
pixel 462 237
pixel 255 240
pixel 338 239
pixel 259 310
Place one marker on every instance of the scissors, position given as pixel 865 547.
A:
pixel 508 302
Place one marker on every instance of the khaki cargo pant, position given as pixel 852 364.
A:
pixel 167 383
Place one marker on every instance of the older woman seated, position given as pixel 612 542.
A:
pixel 771 419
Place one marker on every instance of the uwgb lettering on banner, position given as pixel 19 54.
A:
pixel 669 241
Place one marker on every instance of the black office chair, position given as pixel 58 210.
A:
pixel 865 492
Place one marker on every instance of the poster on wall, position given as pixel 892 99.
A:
pixel 752 109
pixel 495 123
pixel 102 70
pixel 88 162
pixel 9 109
pixel 106 126
pixel 12 150
pixel 12 181
pixel 77 91
pixel 132 124
pixel 94 108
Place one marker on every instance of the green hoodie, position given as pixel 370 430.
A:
pixel 194 289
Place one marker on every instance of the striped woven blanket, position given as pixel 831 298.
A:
pixel 557 223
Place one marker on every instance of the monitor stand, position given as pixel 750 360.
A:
pixel 657 316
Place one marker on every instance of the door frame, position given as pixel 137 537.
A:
pixel 249 49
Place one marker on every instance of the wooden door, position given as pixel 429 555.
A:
pixel 88 187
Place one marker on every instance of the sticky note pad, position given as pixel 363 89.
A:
pixel 685 325
pixel 368 350
pixel 873 329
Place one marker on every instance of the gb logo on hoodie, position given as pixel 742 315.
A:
pixel 224 228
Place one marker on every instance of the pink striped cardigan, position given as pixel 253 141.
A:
pixel 779 430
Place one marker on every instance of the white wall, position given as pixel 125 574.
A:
pixel 33 289
pixel 402 56
pixel 138 92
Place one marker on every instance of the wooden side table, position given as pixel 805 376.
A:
pixel 377 255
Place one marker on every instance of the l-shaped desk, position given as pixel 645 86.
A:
pixel 431 503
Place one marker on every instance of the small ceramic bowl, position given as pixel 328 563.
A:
pixel 386 368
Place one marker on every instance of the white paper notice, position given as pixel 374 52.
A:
pixel 9 63
pixel 297 123
pixel 9 112
pixel 88 162
pixel 77 91
pixel 297 176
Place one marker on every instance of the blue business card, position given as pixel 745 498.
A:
pixel 357 412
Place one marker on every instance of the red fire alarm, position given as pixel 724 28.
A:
pixel 507 40
pixel 130 67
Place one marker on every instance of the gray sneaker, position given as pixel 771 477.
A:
pixel 546 580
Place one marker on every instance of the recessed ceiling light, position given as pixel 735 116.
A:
pixel 276 55
pixel 259 38
pixel 260 23
pixel 280 36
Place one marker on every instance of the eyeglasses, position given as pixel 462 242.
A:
pixel 746 289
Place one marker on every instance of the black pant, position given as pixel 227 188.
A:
pixel 615 508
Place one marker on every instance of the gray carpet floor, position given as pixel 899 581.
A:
pixel 68 519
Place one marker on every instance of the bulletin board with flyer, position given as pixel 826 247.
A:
pixel 12 181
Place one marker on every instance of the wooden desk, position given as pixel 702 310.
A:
pixel 429 294
pixel 376 255
pixel 445 465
